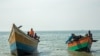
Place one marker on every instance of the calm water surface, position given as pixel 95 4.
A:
pixel 52 43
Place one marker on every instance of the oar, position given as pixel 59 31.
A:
pixel 94 40
pixel 20 26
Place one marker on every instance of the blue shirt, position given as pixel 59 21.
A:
pixel 69 39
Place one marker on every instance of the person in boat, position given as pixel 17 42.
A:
pixel 90 35
pixel 86 35
pixel 70 38
pixel 31 33
pixel 37 37
pixel 80 36
pixel 76 38
pixel 28 33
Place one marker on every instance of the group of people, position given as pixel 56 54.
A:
pixel 32 34
pixel 73 37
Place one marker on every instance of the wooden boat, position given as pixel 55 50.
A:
pixel 21 43
pixel 83 44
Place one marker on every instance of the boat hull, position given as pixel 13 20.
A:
pixel 83 44
pixel 21 43
pixel 21 48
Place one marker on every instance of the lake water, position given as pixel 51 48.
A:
pixel 52 43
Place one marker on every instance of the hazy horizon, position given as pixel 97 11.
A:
pixel 48 15
pixel 50 30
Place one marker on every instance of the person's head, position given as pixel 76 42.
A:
pixel 89 31
pixel 73 34
pixel 86 34
pixel 31 28
pixel 35 34
pixel 28 32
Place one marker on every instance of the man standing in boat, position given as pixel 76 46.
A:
pixel 31 32
pixel 90 35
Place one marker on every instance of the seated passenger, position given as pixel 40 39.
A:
pixel 37 37
pixel 86 35
pixel 28 33
pixel 70 38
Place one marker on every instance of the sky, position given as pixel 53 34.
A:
pixel 48 15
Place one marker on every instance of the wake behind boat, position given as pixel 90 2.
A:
pixel 21 43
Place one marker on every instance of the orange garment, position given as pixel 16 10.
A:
pixel 31 33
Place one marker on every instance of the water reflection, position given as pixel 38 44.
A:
pixel 34 54
pixel 76 53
